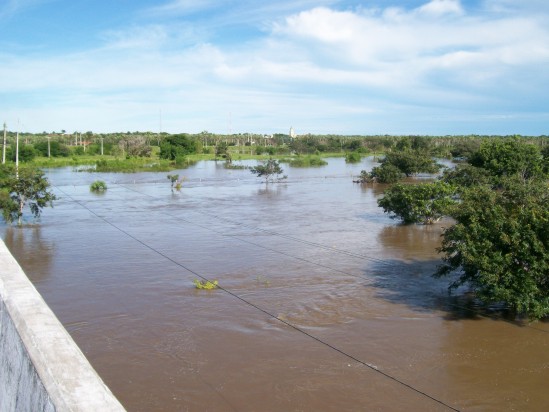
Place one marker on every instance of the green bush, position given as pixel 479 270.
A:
pixel 386 173
pixel 353 157
pixel 308 161
pixel 98 186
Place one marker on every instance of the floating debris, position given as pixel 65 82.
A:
pixel 205 284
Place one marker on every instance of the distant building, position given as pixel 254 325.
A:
pixel 292 133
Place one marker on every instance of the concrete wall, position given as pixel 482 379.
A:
pixel 41 368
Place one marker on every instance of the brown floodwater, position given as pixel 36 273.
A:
pixel 325 304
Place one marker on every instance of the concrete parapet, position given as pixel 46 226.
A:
pixel 41 368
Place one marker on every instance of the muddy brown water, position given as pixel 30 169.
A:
pixel 326 303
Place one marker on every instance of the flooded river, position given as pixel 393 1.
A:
pixel 325 303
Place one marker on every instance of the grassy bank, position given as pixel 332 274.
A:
pixel 107 163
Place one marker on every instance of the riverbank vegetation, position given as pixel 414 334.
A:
pixel 21 187
pixel 498 244
pixel 147 151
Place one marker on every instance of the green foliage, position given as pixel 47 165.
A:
pixel 28 186
pixel 545 154
pixel 268 169
pixel 98 186
pixel 466 175
pixel 364 177
pixel 206 284
pixel 464 149
pixel 500 245
pixel 411 162
pixel 308 161
pixel 177 145
pixel 421 203
pixel 222 150
pixel 56 149
pixel 78 150
pixel 26 153
pixel 353 157
pixel 386 173
pixel 176 183
pixel 131 165
pixel 507 157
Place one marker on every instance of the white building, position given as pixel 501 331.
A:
pixel 292 133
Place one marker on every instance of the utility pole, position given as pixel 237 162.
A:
pixel 49 149
pixel 4 146
pixel 101 146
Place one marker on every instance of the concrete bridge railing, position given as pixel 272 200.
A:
pixel 41 368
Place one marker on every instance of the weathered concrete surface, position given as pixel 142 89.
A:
pixel 41 368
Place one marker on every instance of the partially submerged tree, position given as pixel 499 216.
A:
pixel 499 245
pixel 411 162
pixel 270 170
pixel 98 186
pixel 27 186
pixel 422 203
pixel 386 173
pixel 176 182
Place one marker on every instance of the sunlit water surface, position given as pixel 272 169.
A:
pixel 326 303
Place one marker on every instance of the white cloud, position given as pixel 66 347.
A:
pixel 136 37
pixel 439 8
pixel 312 64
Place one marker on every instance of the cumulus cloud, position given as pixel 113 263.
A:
pixel 413 42
pixel 308 65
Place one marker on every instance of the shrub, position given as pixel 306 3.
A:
pixel 353 157
pixel 98 186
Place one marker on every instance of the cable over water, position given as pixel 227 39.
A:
pixel 264 311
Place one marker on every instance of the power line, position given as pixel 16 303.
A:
pixel 264 311
pixel 321 246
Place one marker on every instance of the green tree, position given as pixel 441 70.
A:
pixel 29 187
pixel 499 245
pixel 421 203
pixel 466 175
pixel 386 173
pixel 26 153
pixel 509 156
pixel 177 145
pixel 222 150
pixel 353 157
pixel 56 149
pixel 411 162
pixel 268 169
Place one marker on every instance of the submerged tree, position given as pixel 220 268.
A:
pixel 270 170
pixel 27 186
pixel 422 203
pixel 176 182
pixel 499 245
pixel 98 186
pixel 411 162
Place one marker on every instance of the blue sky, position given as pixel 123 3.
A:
pixel 322 66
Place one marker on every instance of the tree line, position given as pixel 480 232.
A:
pixel 140 144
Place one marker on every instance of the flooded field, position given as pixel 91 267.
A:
pixel 325 303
